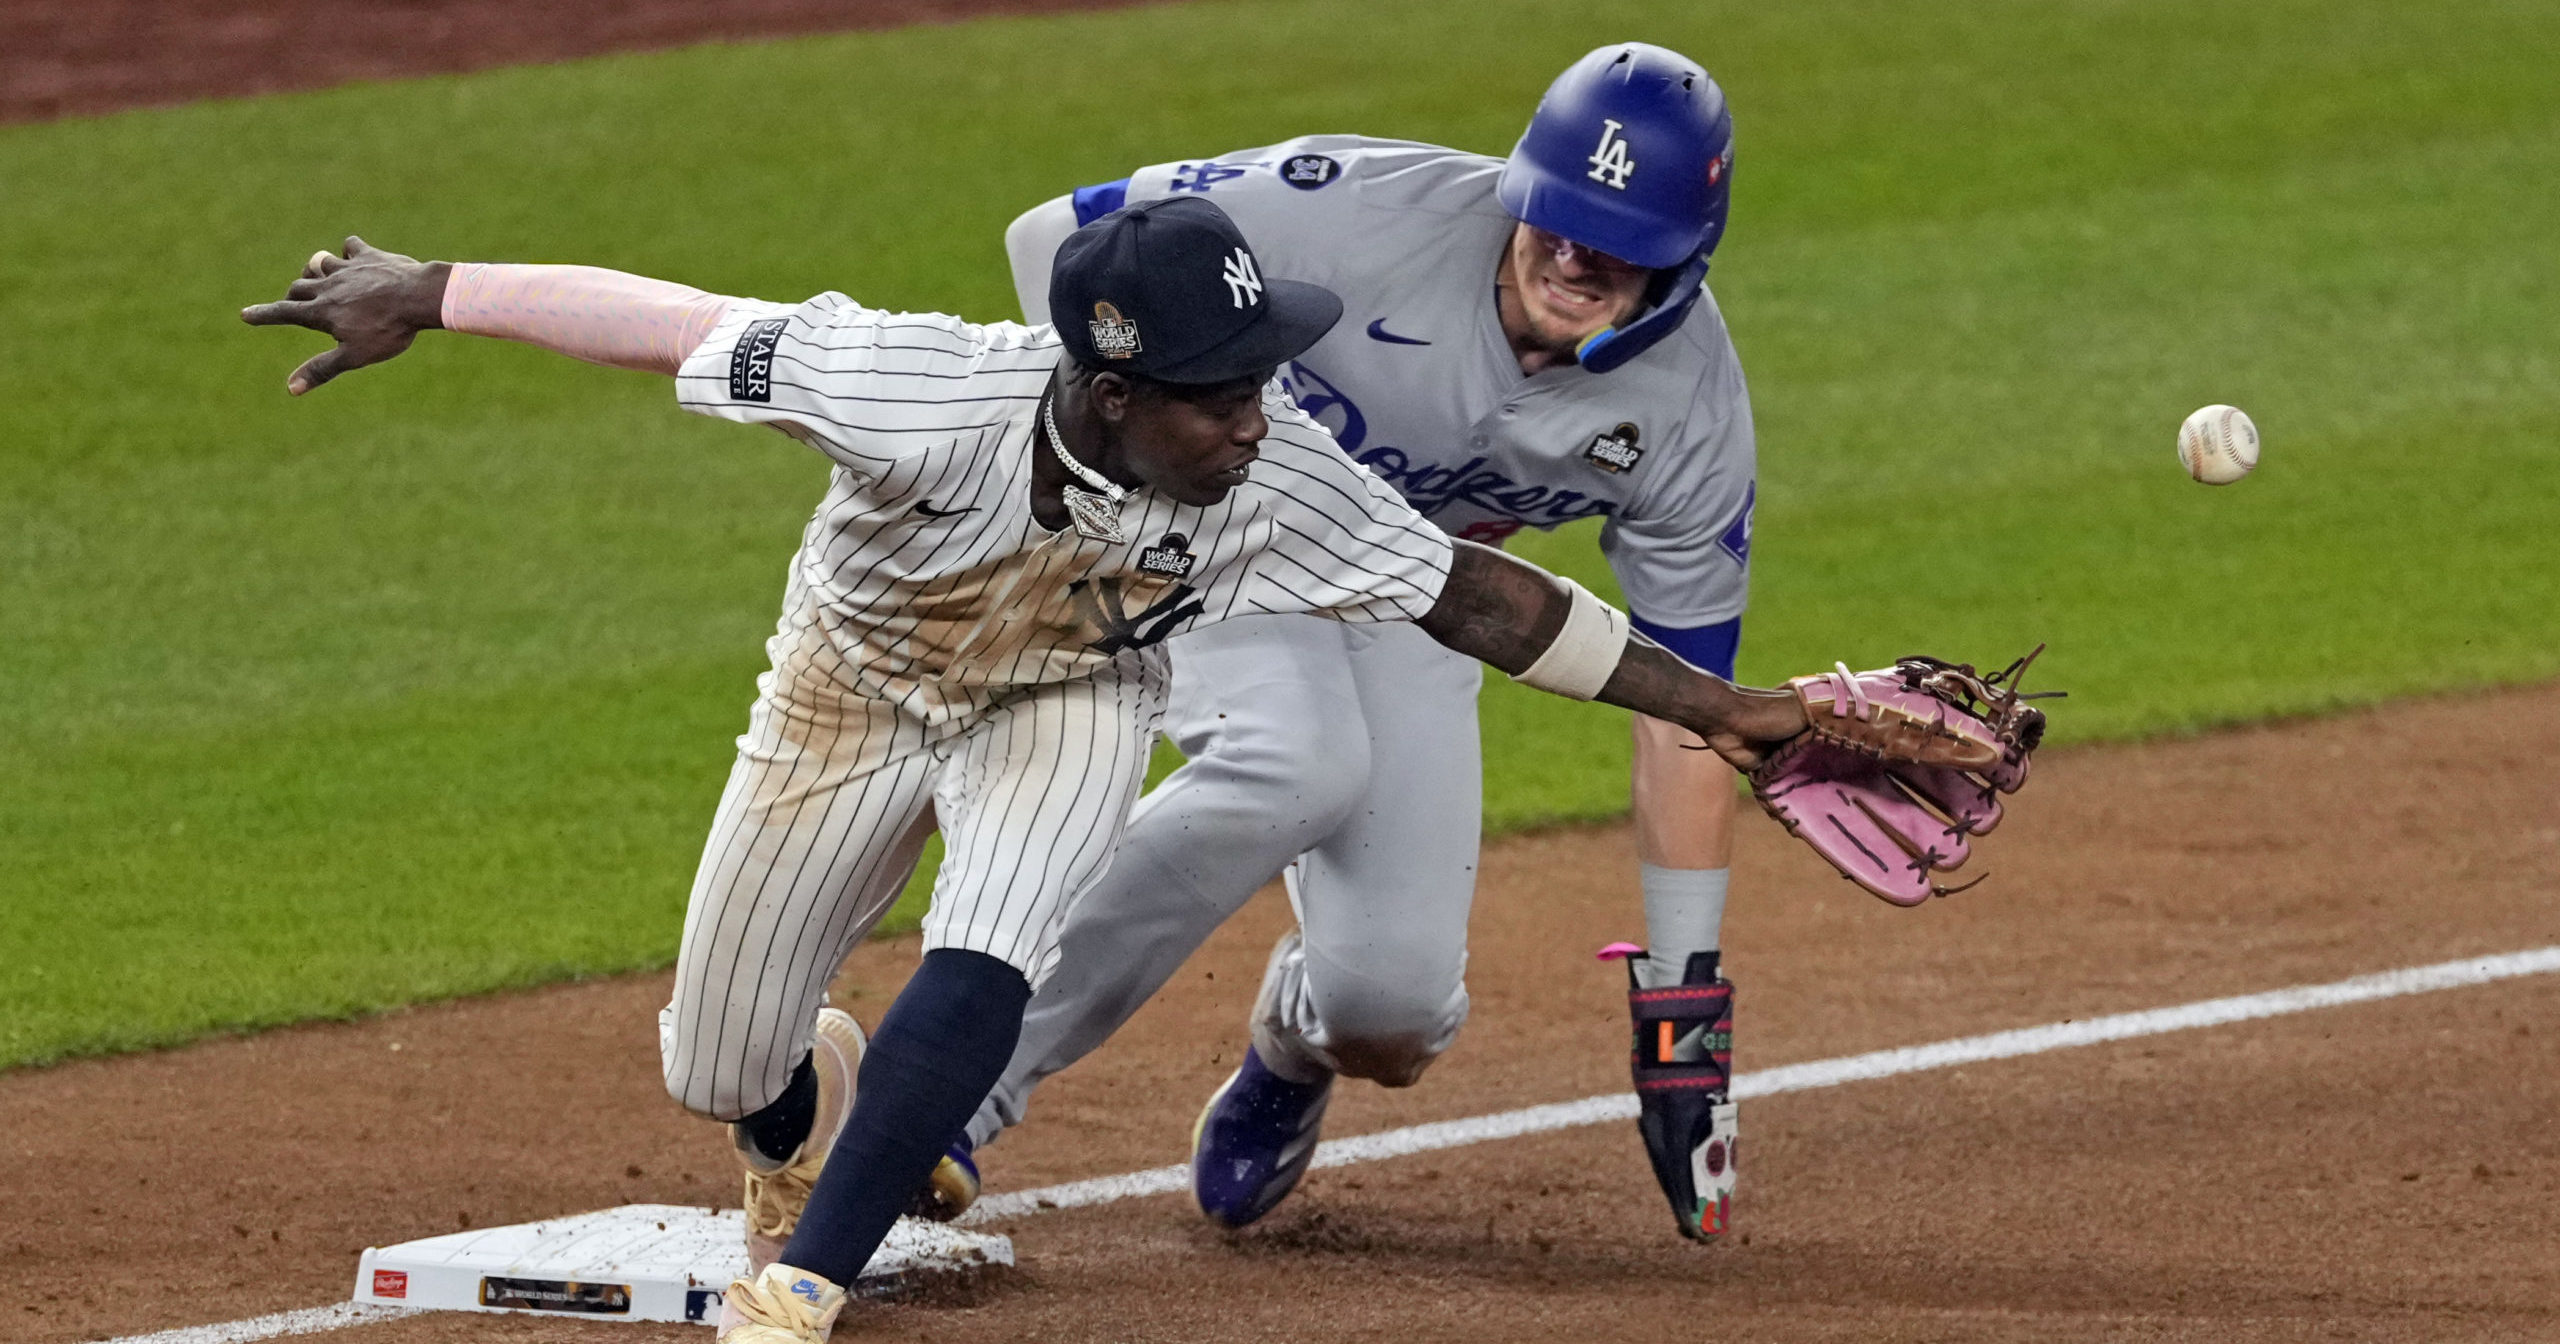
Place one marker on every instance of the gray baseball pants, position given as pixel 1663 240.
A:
pixel 1347 755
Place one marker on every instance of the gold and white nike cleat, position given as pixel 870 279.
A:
pixel 780 1305
pixel 777 1193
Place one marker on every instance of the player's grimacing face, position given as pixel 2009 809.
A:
pixel 1565 292
pixel 1195 446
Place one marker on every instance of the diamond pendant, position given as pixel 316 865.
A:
pixel 1096 517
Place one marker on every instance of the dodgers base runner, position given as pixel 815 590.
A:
pixel 1525 343
pixel 1017 519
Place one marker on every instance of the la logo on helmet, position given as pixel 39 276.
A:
pixel 1611 163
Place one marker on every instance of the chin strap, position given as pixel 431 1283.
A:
pixel 1610 347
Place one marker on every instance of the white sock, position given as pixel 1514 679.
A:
pixel 1683 913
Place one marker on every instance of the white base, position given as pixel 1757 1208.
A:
pixel 640 1262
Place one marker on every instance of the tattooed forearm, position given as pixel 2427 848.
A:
pixel 1503 611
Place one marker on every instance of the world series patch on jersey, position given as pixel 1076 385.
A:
pixel 1617 450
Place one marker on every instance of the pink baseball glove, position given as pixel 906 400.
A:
pixel 1902 767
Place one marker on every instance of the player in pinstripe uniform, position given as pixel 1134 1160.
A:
pixel 1017 518
pixel 1528 343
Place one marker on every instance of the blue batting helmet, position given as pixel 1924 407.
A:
pixel 1630 153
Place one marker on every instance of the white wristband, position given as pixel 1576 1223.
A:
pixel 1586 650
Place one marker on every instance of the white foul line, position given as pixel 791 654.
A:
pixel 1817 1073
pixel 308 1321
pixel 1621 1106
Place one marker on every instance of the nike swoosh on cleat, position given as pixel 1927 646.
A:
pixel 1378 332
pixel 925 507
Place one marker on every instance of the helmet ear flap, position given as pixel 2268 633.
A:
pixel 1672 294
pixel 1660 285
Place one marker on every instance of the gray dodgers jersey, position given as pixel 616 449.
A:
pixel 1418 385
pixel 929 575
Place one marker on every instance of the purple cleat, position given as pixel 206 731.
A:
pixel 1253 1141
pixel 952 1188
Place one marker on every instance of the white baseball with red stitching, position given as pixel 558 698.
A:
pixel 2218 445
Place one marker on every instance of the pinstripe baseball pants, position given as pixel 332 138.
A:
pixel 827 809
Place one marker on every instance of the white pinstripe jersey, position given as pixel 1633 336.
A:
pixel 928 572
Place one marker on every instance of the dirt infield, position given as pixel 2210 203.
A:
pixel 2385 1171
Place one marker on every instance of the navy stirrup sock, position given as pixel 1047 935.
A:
pixel 937 1054
pixel 782 1126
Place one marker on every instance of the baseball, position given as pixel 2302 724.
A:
pixel 2218 445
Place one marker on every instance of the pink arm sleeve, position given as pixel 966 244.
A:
pixel 603 317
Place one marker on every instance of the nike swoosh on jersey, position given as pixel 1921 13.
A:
pixel 1378 332
pixel 925 507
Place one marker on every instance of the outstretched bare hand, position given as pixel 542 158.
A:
pixel 373 302
pixel 1756 722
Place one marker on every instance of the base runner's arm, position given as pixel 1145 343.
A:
pixel 374 303
pixel 1556 637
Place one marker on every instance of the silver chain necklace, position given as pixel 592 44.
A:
pixel 1095 512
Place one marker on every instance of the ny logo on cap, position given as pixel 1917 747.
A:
pixel 1244 282
pixel 1114 336
pixel 1610 164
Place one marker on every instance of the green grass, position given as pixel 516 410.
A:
pixel 424 686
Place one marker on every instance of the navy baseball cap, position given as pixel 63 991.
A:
pixel 1169 289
